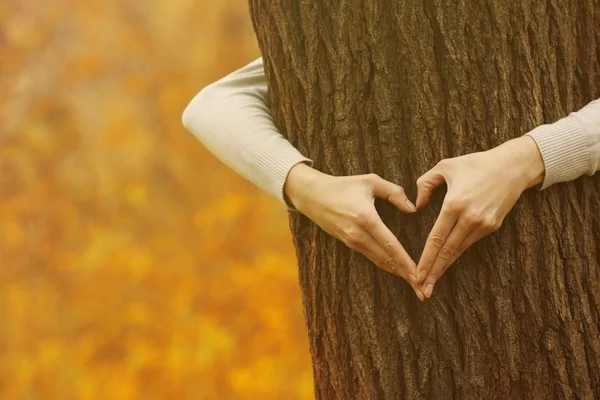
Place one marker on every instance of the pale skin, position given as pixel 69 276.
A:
pixel 482 189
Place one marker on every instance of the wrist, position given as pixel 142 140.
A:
pixel 529 161
pixel 298 182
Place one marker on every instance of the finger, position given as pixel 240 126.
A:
pixel 374 252
pixel 449 252
pixel 427 183
pixel 435 241
pixel 474 236
pixel 371 249
pixel 418 291
pixel 392 247
pixel 393 193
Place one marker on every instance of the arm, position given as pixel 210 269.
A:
pixel 232 118
pixel 570 147
pixel 483 187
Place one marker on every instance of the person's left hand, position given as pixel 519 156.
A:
pixel 482 189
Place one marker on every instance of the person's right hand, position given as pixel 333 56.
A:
pixel 344 208
pixel 482 189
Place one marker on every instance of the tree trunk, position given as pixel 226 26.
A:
pixel 392 87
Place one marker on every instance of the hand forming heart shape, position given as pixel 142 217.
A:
pixel 482 189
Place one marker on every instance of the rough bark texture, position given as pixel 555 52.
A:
pixel 392 87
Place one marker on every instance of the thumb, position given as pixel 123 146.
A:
pixel 393 193
pixel 427 183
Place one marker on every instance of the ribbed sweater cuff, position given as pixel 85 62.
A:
pixel 274 162
pixel 564 149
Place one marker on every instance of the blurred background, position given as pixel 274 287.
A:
pixel 133 264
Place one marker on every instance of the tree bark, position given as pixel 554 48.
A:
pixel 392 87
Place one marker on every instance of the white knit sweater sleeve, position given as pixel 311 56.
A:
pixel 570 147
pixel 232 118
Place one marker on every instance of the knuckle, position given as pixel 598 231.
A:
pixel 478 221
pixel 437 240
pixel 398 191
pixel 390 262
pixel 447 253
pixel 350 232
pixel 471 218
pixel 353 242
pixel 352 238
pixel 456 205
pixel 371 177
pixel 364 218
pixel 388 248
pixel 490 223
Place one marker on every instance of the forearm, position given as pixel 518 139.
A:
pixel 232 119
pixel 570 147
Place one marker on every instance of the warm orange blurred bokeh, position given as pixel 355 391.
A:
pixel 133 264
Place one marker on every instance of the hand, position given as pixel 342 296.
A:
pixel 344 208
pixel 482 189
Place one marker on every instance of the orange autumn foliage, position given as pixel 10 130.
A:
pixel 133 264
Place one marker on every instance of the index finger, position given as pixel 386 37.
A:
pixel 375 253
pixel 388 241
pixel 435 241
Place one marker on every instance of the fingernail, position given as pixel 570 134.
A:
pixel 419 295
pixel 413 278
pixel 429 290
pixel 410 205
